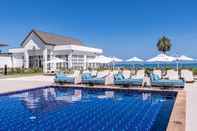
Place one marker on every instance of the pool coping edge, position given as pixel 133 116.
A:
pixel 177 121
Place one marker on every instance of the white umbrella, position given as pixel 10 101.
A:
pixel 100 60
pixel 185 58
pixel 134 59
pixel 115 59
pixel 162 58
pixel 182 58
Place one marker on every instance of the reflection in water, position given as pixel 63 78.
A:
pixel 48 98
pixel 146 96
pixel 63 96
pixel 108 94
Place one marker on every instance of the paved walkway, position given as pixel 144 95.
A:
pixel 191 107
pixel 21 83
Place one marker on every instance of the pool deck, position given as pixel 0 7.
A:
pixel 188 98
pixel 178 116
pixel 8 85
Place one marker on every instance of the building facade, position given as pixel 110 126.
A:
pixel 39 48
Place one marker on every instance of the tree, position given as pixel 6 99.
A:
pixel 164 44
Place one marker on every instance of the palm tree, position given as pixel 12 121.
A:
pixel 164 44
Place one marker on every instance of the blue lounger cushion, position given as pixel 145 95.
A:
pixel 119 79
pixel 62 78
pixel 94 81
pixel 173 83
pixel 129 82
pixel 88 79
pixel 156 81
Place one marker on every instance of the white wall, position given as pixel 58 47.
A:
pixel 5 60
pixel 17 60
pixel 33 41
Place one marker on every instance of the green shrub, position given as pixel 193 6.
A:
pixel 194 70
pixel 167 68
pixel 24 71
pixel 68 71
pixel 148 71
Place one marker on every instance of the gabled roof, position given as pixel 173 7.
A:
pixel 2 45
pixel 53 39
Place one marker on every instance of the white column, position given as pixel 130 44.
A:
pixel 53 66
pixel 85 62
pixel 70 60
pixel 26 59
pixel 45 60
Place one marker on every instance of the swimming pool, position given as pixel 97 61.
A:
pixel 76 109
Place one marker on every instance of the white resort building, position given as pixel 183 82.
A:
pixel 50 52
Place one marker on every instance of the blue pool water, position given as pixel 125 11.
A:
pixel 75 109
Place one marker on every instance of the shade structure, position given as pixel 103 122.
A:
pixel 162 58
pixel 115 59
pixel 100 60
pixel 184 58
pixel 134 59
pixel 56 60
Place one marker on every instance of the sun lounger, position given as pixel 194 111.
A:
pixel 94 73
pixel 156 81
pixel 126 74
pixel 187 75
pixel 68 78
pixel 119 79
pixel 172 75
pixel 102 78
pixel 115 71
pixel 139 75
pixel 157 72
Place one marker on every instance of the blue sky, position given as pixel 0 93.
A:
pixel 122 28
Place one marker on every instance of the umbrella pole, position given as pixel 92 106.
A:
pixel 177 66
pixel 158 65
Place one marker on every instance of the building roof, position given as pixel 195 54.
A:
pixel 53 39
pixel 1 45
pixel 5 54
